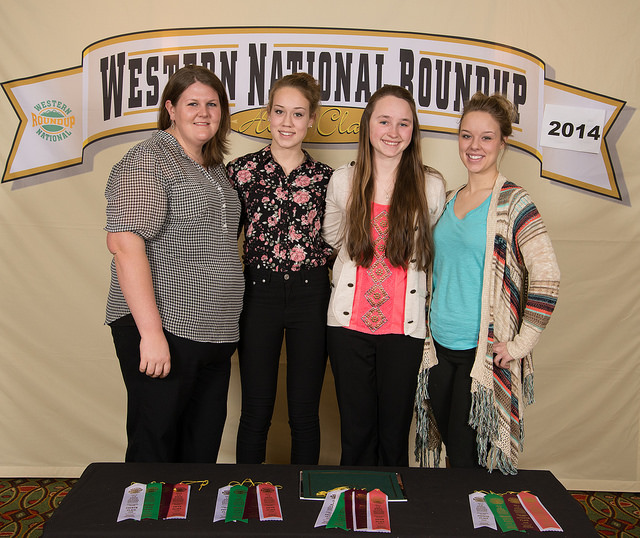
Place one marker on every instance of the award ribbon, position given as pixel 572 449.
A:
pixel 359 509
pixel 499 509
pixel 518 513
pixel 132 502
pixel 481 515
pixel 251 504
pixel 152 498
pixel 540 515
pixel 378 511
pixel 179 502
pixel 237 500
pixel 269 503
pixel 348 508
pixel 338 518
pixel 221 504
pixel 328 507
pixel 165 500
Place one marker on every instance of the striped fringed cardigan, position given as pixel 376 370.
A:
pixel 519 292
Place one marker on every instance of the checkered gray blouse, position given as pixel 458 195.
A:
pixel 188 217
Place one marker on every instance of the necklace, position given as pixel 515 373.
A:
pixel 387 190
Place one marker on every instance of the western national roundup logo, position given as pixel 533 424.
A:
pixel 53 120
pixel 117 90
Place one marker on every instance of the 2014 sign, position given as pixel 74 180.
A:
pixel 572 128
pixel 567 129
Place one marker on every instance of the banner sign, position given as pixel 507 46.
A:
pixel 117 89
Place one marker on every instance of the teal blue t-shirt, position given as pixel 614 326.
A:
pixel 458 266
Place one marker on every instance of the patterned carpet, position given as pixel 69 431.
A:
pixel 612 514
pixel 25 504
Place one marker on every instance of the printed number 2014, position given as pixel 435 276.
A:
pixel 568 129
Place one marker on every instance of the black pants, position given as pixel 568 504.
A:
pixel 450 395
pixel 375 378
pixel 179 418
pixel 275 304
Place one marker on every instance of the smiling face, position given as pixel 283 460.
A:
pixel 480 142
pixel 289 117
pixel 390 128
pixel 195 116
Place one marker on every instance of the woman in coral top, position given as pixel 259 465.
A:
pixel 379 215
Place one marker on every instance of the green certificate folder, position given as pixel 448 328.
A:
pixel 314 484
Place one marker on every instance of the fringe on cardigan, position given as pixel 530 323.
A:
pixel 483 417
pixel 527 390
pixel 428 446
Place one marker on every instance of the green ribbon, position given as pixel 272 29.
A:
pixel 500 511
pixel 237 500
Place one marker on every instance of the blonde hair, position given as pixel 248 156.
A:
pixel 498 106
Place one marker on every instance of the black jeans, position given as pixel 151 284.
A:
pixel 376 377
pixel 450 396
pixel 179 418
pixel 278 304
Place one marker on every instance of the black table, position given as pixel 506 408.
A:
pixel 437 503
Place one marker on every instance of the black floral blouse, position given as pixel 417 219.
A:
pixel 282 215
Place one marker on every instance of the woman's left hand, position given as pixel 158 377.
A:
pixel 501 357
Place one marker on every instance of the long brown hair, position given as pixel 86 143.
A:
pixel 410 234
pixel 214 150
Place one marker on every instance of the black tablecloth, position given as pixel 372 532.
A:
pixel 437 504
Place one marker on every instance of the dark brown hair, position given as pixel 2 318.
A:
pixel 214 150
pixel 410 234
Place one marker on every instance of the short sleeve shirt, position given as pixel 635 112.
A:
pixel 188 217
pixel 282 214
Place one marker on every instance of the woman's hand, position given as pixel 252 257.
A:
pixel 501 357
pixel 155 359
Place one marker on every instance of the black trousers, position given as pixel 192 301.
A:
pixel 278 304
pixel 375 378
pixel 450 396
pixel 179 418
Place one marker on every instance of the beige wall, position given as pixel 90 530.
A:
pixel 62 401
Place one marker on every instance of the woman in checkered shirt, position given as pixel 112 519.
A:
pixel 176 277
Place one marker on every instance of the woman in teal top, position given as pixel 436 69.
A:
pixel 495 283
pixel 457 276
pixel 458 266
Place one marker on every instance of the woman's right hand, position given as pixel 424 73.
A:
pixel 155 358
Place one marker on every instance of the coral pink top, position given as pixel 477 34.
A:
pixel 378 305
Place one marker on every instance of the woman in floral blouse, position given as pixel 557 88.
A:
pixel 282 190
